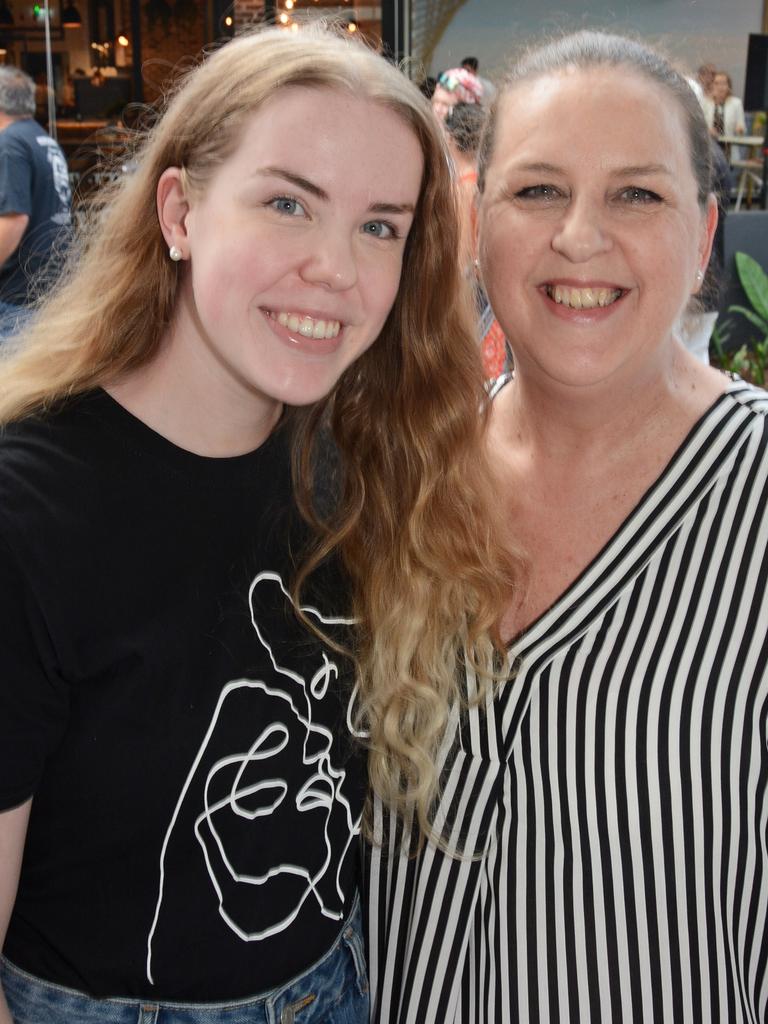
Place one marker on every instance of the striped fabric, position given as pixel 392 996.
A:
pixel 614 791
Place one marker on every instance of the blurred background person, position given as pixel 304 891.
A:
pixel 463 128
pixel 489 89
pixel 724 111
pixel 34 201
pixel 457 85
pixel 705 74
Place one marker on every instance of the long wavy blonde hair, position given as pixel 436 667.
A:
pixel 413 524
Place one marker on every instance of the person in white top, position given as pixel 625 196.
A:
pixel 724 111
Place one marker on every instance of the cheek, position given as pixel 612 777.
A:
pixel 507 253
pixel 382 284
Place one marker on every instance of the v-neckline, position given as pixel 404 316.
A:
pixel 648 506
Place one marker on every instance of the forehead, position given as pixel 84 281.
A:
pixel 347 145
pixel 314 108
pixel 320 126
pixel 598 115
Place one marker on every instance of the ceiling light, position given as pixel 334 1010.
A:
pixel 70 17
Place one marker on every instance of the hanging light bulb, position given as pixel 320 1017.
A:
pixel 70 17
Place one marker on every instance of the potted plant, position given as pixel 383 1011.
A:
pixel 751 360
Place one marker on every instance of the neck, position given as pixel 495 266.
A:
pixel 566 425
pixel 196 410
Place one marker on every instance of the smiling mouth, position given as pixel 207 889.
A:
pixel 583 298
pixel 306 326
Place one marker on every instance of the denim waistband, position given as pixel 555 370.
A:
pixel 333 991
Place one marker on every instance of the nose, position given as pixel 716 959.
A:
pixel 581 234
pixel 331 260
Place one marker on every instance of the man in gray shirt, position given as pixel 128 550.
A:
pixel 34 200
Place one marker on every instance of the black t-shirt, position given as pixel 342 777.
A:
pixel 197 790
pixel 34 180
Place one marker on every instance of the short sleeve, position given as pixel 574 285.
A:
pixel 15 179
pixel 34 702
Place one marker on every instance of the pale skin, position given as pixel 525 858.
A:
pixel 13 830
pixel 580 195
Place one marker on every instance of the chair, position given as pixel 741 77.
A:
pixel 750 179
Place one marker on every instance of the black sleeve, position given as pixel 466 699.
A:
pixel 34 701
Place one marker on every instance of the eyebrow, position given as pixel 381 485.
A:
pixel 632 170
pixel 320 193
pixel 640 169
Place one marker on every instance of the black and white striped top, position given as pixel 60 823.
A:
pixel 616 787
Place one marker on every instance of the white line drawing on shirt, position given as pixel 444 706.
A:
pixel 229 792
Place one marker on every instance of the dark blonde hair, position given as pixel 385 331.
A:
pixel 412 524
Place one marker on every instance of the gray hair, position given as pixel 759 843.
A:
pixel 585 50
pixel 17 93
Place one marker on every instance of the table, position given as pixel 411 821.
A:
pixel 751 167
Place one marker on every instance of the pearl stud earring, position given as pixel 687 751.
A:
pixel 699 275
pixel 175 253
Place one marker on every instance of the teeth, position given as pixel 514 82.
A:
pixel 583 298
pixel 307 326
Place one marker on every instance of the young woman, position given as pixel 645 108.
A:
pixel 614 793
pixel 180 776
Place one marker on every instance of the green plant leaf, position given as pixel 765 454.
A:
pixel 753 318
pixel 754 281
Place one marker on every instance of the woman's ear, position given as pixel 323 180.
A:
pixel 708 228
pixel 172 210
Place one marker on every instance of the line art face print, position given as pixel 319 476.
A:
pixel 257 810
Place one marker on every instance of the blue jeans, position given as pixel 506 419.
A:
pixel 332 991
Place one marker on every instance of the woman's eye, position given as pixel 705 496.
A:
pixel 288 205
pixel 380 229
pixel 544 192
pixel 639 196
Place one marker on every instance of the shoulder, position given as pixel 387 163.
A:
pixel 753 398
pixel 48 446
pixel 20 134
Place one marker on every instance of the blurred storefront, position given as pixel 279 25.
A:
pixel 107 54
pixel 108 61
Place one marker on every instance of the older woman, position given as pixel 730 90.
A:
pixel 609 803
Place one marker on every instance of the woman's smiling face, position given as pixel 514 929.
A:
pixel 591 234
pixel 295 247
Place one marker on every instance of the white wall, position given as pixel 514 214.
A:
pixel 691 31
